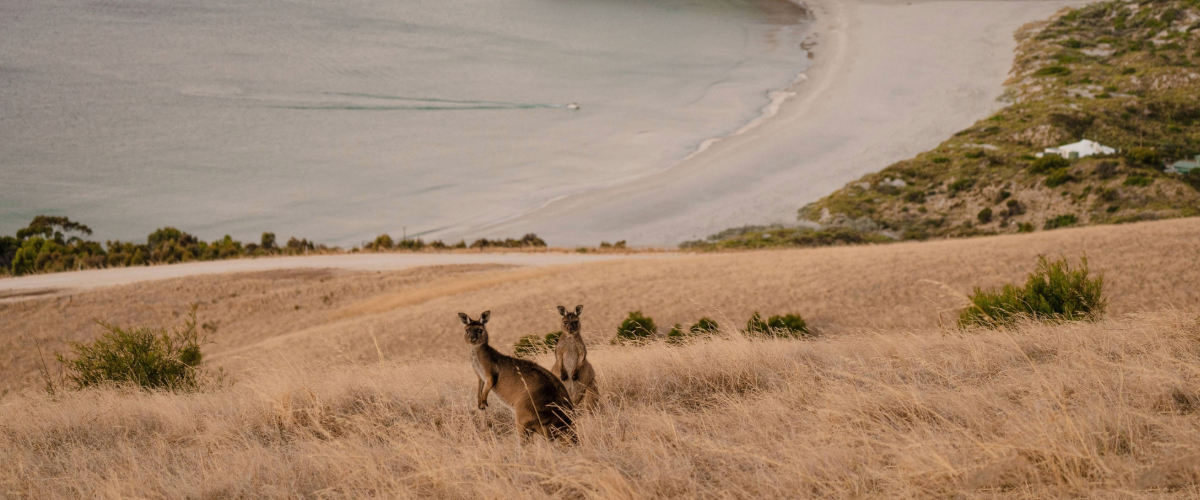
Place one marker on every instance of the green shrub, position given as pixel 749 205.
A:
pixel 25 258
pixel 788 325
pixel 1193 178
pixel 756 325
pixel 636 327
pixel 8 250
pixel 1052 71
pixel 677 335
pixel 1053 292
pixel 1064 220
pixel 1024 227
pixel 1014 207
pixel 961 185
pixel 531 345
pixel 383 242
pixel 1145 157
pixel 1106 169
pixel 984 216
pixel 705 326
pixel 152 358
pixel 1137 180
pixel 1049 163
pixel 915 233
pixel 1059 177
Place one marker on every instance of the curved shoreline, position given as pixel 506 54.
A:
pixel 889 79
pixel 776 99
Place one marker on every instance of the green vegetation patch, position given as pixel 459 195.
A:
pixel 1053 292
pixel 151 358
pixel 782 326
pixel 756 237
pixel 637 327
pixel 531 345
pixel 1118 73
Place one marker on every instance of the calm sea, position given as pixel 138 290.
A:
pixel 338 121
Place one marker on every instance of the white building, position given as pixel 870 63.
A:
pixel 1079 149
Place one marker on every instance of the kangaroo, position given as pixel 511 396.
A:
pixel 539 401
pixel 570 361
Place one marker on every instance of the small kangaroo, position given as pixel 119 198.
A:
pixel 539 401
pixel 570 361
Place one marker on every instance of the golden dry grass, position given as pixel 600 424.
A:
pixel 886 404
pixel 1106 409
pixel 309 316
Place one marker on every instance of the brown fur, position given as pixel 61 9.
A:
pixel 571 363
pixel 538 399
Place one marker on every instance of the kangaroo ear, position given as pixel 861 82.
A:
pixel 562 311
pixel 484 317
pixel 465 319
pixel 578 309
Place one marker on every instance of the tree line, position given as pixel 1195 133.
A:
pixel 53 244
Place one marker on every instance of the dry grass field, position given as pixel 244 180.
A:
pixel 1105 409
pixel 352 384
pixel 307 316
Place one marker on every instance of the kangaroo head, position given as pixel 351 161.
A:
pixel 476 331
pixel 570 319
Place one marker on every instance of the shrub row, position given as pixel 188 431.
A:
pixel 48 245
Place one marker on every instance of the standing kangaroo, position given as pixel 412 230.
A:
pixel 539 401
pixel 570 361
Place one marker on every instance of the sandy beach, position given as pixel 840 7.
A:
pixel 890 79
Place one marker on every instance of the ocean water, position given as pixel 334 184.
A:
pixel 338 121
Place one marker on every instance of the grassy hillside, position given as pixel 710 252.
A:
pixel 1037 412
pixel 1125 74
pixel 341 317
pixel 350 384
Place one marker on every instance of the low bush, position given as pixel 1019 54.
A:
pixel 1052 71
pixel 636 327
pixel 787 325
pixel 1059 177
pixel 1106 169
pixel 1014 207
pixel 1064 220
pixel 152 358
pixel 527 241
pixel 703 327
pixel 984 216
pixel 961 185
pixel 1193 178
pixel 1144 157
pixel 1053 292
pixel 382 242
pixel 1049 163
pixel 1137 180
pixel 531 345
